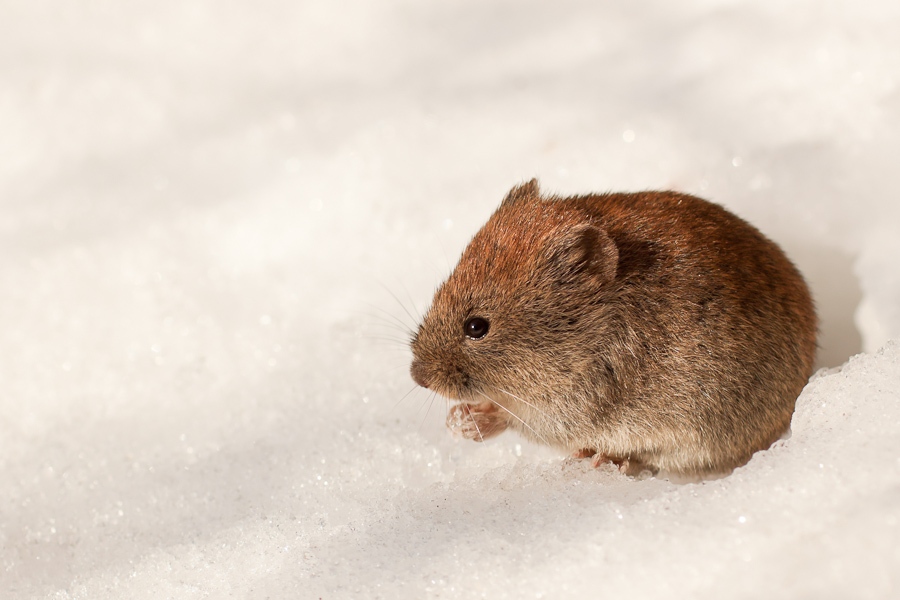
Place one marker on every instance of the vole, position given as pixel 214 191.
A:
pixel 654 330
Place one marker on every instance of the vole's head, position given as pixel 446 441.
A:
pixel 516 310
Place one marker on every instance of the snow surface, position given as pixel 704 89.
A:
pixel 216 215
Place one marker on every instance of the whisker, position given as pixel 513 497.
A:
pixel 388 317
pixel 444 250
pixel 517 418
pixel 428 410
pixel 412 303
pixel 475 423
pixel 403 306
pixel 388 330
pixel 522 400
pixel 543 413
pixel 411 390
pixel 418 410
pixel 384 338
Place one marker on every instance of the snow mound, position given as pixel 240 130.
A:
pixel 220 222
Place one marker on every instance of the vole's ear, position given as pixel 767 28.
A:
pixel 521 192
pixel 586 249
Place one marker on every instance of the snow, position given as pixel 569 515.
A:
pixel 219 221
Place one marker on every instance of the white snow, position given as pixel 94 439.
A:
pixel 215 214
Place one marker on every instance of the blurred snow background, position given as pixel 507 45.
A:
pixel 214 214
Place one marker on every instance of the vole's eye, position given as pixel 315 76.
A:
pixel 476 328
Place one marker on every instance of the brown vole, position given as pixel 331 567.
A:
pixel 654 330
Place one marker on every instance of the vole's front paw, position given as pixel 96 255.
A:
pixel 477 422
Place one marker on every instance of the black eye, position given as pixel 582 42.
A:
pixel 476 328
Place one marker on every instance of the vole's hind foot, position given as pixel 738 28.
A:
pixel 638 469
pixel 584 453
pixel 477 422
pixel 629 466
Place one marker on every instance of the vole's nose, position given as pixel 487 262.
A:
pixel 418 373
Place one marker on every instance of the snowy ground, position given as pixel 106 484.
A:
pixel 209 208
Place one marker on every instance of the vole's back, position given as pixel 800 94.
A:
pixel 722 322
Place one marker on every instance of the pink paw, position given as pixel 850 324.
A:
pixel 477 422
pixel 627 466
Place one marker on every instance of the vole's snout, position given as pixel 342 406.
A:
pixel 417 371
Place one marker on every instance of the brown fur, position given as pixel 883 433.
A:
pixel 653 329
